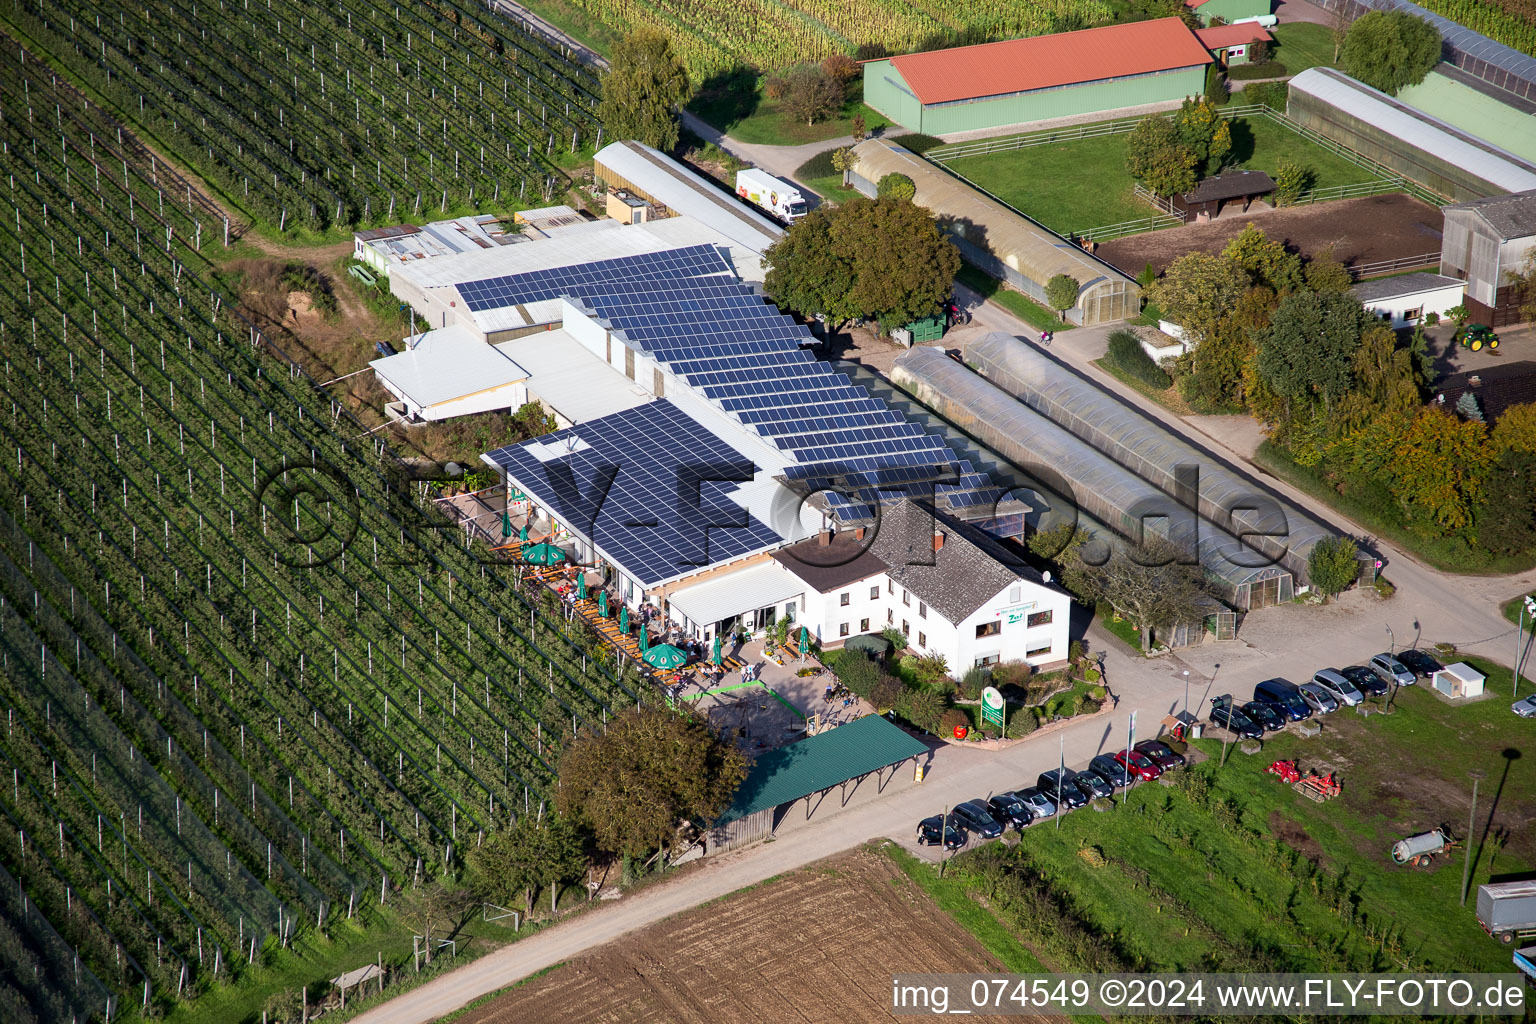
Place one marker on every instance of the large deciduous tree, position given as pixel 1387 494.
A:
pixel 652 769
pixel 1156 156
pixel 1270 263
pixel 1506 521
pixel 811 94
pixel 1306 356
pixel 1061 292
pixel 882 258
pixel 1331 565
pixel 1202 130
pixel 535 852
pixel 644 85
pixel 1156 584
pixel 1197 290
pixel 1388 50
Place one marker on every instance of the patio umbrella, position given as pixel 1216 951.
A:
pixel 506 525
pixel 522 535
pixel 543 554
pixel 805 640
pixel 581 586
pixel 623 618
pixel 602 603
pixel 715 657
pixel 643 641
pixel 665 656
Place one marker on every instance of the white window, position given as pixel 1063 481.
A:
pixel 1038 652
pixel 1015 595
pixel 987 659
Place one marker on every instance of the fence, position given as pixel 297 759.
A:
pixel 1360 271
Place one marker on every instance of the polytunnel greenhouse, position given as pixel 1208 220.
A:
pixel 1282 532
pixel 1101 488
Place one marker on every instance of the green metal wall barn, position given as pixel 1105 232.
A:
pixel 1227 10
pixel 1022 80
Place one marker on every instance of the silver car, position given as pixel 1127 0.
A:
pixel 1391 670
pixel 1525 707
pixel 1317 698
pixel 1339 687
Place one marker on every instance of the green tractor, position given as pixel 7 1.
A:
pixel 1475 336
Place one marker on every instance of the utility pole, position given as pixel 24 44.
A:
pixel 1527 608
pixel 1476 775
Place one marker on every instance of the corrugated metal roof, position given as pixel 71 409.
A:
pixel 748 590
pixel 1490 163
pixel 448 363
pixel 1019 242
pixel 1218 36
pixel 1510 216
pixel 1405 284
pixel 683 191
pixel 1048 62
pixel 818 762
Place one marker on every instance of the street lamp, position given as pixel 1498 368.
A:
pixel 1186 691
pixel 1391 642
pixel 1476 775
pixel 1527 607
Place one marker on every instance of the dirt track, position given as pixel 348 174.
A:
pixel 816 946
pixel 1364 230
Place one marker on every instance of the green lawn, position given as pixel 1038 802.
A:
pixel 737 105
pixel 1236 869
pixel 1081 184
pixel 1300 45
pixel 829 188
pixel 1512 610
pixel 1015 302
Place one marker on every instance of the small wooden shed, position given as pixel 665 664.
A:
pixel 1213 194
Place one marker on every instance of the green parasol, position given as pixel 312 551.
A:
pixel 715 656
pixel 602 603
pixel 805 640
pixel 665 656
pixel 643 641
pixel 581 586
pixel 506 525
pixel 623 618
pixel 522 535
pixel 543 554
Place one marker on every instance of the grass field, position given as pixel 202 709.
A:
pixel 1231 868
pixel 1077 185
pixel 737 105
pixel 1015 302
pixel 1300 45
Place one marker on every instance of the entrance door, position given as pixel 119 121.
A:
pixel 1264 593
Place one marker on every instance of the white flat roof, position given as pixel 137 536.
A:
pixel 746 590
pixel 687 192
pixel 446 364
pixel 571 380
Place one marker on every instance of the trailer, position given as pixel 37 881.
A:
pixel 1420 850
pixel 1507 910
pixel 775 195
pixel 1525 960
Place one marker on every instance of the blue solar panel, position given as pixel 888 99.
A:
pixel 538 285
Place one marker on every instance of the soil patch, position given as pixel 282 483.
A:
pixel 816 946
pixel 1293 835
pixel 1367 230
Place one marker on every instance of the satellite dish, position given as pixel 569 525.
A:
pixel 1046 576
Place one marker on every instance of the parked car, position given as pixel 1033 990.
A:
pixel 1109 768
pixel 1525 707
pixel 1008 808
pixel 1371 684
pixel 1339 688
pixel 1420 663
pixel 1285 697
pixel 1267 716
pixel 1066 794
pixel 1137 765
pixel 1162 755
pixel 928 833
pixel 1093 784
pixel 1039 804
pixel 976 816
pixel 1392 670
pixel 1317 698
pixel 1223 713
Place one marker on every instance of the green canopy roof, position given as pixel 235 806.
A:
pixel 868 642
pixel 818 762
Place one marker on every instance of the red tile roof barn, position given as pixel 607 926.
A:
pixel 1217 36
pixel 1046 62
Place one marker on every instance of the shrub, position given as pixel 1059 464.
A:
pixel 1431 319
pixel 1216 86
pixel 1331 565
pixel 1146 277
pixel 924 708
pixel 1271 94
pixel 895 186
pixel 818 166
pixel 1126 354
pixel 950 719
pixel 854 671
pixel 1098 693
pixel 1011 673
pixel 1258 69
pixel 1384 587
pixel 972 683
pixel 841 67
pixel 1291 180
pixel 917 142
pixel 886 692
pixel 1022 722
pixel 1093 856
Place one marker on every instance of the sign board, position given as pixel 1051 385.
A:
pixel 992 706
pixel 1015 613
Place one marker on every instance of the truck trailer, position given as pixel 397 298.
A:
pixel 778 197
pixel 1507 910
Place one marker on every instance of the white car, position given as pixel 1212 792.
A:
pixel 1338 687
pixel 1391 670
pixel 1525 707
pixel 1317 698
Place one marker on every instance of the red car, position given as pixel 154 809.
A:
pixel 1161 755
pixel 1137 765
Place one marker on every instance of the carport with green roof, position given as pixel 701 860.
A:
pixel 810 768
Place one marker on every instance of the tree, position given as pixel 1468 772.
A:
pixel 1384 380
pixel 533 420
pixel 843 161
pixel 644 84
pixel 858 129
pixel 1197 290
pixel 433 909
pixel 1306 355
pixel 1061 292
pixel 1154 154
pixel 1506 522
pixel 1388 50
pixel 841 68
pixel 1292 178
pixel 1467 407
pixel 1522 282
pixel 882 258
pixel 1202 130
pixel 1338 28
pixel 1216 378
pixel 1216 85
pixel 896 185
pixel 1156 583
pixel 811 95
pixel 1433 464
pixel 924 708
pixel 1267 260
pixel 1258 50
pixel 1324 272
pixel 1331 565
pixel 653 768
pixel 534 853
pixel 1516 429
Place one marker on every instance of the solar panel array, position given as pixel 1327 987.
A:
pixel 647 519
pixel 539 285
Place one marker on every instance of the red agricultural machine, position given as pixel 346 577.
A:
pixel 1313 785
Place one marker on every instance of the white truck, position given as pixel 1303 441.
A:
pixel 778 197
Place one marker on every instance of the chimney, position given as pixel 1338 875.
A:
pixel 938 539
pixel 824 538
pixel 1475 380
pixel 858 534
